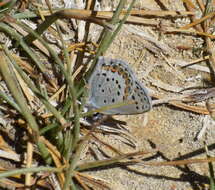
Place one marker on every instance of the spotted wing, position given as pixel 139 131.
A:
pixel 113 82
pixel 106 88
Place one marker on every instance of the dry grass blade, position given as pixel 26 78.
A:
pixel 109 14
pixel 26 90
pixel 201 5
pixel 180 162
pixel 36 42
pixel 189 32
pixel 84 186
pixel 57 158
pixel 107 145
pixel 191 7
pixel 192 64
pixel 9 155
pixel 179 104
pixel 119 133
pixel 189 3
pixel 195 109
pixel 93 182
pixel 114 160
pixel 200 95
pixel 198 21
pixel 25 65
pixel 29 159
pixel 77 14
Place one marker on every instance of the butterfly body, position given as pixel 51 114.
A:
pixel 113 82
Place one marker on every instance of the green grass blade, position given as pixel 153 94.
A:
pixel 29 170
pixel 12 83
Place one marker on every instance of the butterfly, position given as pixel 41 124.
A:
pixel 114 83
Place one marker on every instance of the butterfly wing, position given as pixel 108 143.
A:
pixel 113 82
pixel 142 101
pixel 106 87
